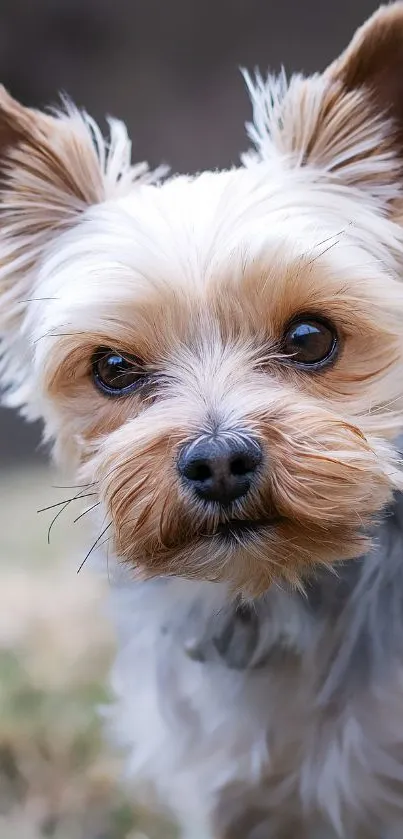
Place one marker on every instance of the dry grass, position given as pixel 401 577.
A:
pixel 57 778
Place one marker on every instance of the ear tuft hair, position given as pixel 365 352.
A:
pixel 66 153
pixel 346 123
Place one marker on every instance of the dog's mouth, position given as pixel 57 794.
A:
pixel 235 530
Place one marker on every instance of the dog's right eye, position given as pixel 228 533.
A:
pixel 310 343
pixel 115 374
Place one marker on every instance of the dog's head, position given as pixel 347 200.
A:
pixel 221 356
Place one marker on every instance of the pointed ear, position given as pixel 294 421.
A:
pixel 373 63
pixel 52 167
pixel 348 122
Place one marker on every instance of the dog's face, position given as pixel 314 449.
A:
pixel 220 356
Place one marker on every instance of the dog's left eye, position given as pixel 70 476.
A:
pixel 310 343
pixel 115 374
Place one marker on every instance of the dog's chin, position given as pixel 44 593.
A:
pixel 247 554
pixel 241 531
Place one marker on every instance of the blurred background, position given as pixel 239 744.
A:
pixel 169 69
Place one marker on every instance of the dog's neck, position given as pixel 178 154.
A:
pixel 361 601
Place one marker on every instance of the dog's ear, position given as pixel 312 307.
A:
pixel 373 62
pixel 348 121
pixel 52 168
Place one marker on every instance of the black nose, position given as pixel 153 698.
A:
pixel 220 469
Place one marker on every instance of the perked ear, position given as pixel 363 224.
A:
pixel 373 61
pixel 52 167
pixel 347 122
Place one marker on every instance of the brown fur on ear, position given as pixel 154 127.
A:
pixel 60 162
pixel 373 61
pixel 40 153
pixel 346 122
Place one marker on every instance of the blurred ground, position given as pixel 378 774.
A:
pixel 57 777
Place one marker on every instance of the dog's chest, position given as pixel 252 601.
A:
pixel 242 636
pixel 210 695
pixel 192 668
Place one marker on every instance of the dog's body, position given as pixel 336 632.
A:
pixel 220 361
pixel 284 721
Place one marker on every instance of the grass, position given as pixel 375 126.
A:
pixel 58 779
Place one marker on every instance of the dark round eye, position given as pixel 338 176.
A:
pixel 115 374
pixel 310 342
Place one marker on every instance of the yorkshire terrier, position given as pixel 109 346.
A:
pixel 220 359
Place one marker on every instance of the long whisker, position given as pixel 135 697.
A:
pixel 94 546
pixel 52 334
pixel 64 504
pixel 74 486
pixel 88 510
pixel 322 253
pixel 65 501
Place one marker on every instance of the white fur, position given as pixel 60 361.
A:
pixel 194 728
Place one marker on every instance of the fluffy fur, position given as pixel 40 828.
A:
pixel 260 693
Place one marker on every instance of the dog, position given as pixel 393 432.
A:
pixel 218 360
